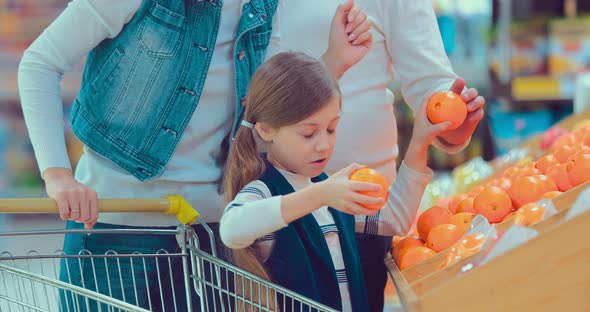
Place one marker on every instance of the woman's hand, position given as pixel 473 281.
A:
pixel 75 201
pixel 350 38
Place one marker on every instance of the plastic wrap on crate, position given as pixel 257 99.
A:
pixel 512 238
pixel 477 239
pixel 581 204
pixel 517 235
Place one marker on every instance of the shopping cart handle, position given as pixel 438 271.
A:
pixel 172 205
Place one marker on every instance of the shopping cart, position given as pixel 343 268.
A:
pixel 138 281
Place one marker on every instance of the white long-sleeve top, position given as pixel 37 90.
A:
pixel 406 45
pixel 255 213
pixel 254 217
pixel 192 170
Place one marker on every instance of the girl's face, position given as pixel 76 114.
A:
pixel 305 147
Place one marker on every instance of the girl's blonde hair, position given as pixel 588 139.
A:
pixel 285 90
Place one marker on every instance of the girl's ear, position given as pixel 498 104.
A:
pixel 265 132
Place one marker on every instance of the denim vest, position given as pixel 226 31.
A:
pixel 140 89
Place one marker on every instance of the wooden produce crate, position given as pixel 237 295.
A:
pixel 548 273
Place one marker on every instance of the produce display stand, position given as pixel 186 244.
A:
pixel 549 272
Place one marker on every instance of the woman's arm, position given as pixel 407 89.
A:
pixel 77 30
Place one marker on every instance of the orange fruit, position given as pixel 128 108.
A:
pixel 454 202
pixel 466 205
pixel 581 126
pixel 548 182
pixel 582 148
pixel 372 176
pixel 503 183
pixel 414 256
pixel 578 168
pixel 545 162
pixel 442 237
pixel 446 106
pixel 558 173
pixel 508 216
pixel 465 247
pixel 395 241
pixel 526 190
pixel 474 191
pixel 430 218
pixel 568 139
pixel 443 202
pixel 470 244
pixel 563 152
pixel 511 172
pixel 585 138
pixel 450 259
pixel 552 194
pixel 529 214
pixel 493 203
pixel 462 221
pixel 528 170
pixel 404 244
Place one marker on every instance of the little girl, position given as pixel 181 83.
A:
pixel 286 221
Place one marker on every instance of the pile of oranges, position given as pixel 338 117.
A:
pixel 513 195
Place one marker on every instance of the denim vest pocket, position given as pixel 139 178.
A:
pixel 260 43
pixel 161 31
pixel 105 73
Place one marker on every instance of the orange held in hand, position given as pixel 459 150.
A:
pixel 446 106
pixel 372 176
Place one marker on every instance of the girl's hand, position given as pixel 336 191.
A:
pixel 423 135
pixel 75 201
pixel 350 38
pixel 342 194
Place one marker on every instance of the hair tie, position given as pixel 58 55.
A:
pixel 247 124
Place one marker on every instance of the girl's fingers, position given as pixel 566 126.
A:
pixel 356 209
pixel 367 200
pixel 350 169
pixel 359 186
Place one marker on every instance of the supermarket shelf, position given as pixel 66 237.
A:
pixel 542 88
pixel 526 90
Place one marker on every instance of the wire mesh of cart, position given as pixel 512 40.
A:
pixel 184 279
